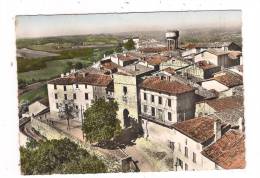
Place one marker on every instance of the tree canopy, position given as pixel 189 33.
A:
pixel 101 121
pixel 130 44
pixel 59 157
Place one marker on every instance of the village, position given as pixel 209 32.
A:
pixel 184 103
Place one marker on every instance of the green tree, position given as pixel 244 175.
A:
pixel 59 156
pixel 130 44
pixel 100 122
pixel 78 65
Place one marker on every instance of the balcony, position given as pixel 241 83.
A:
pixel 156 120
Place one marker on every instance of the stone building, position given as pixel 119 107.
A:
pixel 218 57
pixel 82 90
pixel 166 101
pixel 126 93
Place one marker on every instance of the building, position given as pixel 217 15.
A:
pixel 224 83
pixel 123 59
pixel 82 90
pixel 208 107
pixel 226 153
pixel 218 57
pixel 189 140
pixel 166 101
pixel 172 38
pixel 126 92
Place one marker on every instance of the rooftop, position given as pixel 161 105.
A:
pixel 90 79
pixel 170 70
pixel 156 59
pixel 205 65
pixel 199 129
pixel 234 54
pixel 229 151
pixel 165 86
pixel 213 45
pixel 126 57
pixel 134 69
pixel 217 52
pixel 229 79
pixel 222 104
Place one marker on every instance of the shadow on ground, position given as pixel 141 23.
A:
pixel 126 138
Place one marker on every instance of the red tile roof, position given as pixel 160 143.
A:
pixel 153 50
pixel 156 60
pixel 199 129
pixel 170 70
pixel 222 104
pixel 229 151
pixel 234 54
pixel 90 79
pixel 205 65
pixel 165 86
pixel 126 57
pixel 110 65
pixel 229 79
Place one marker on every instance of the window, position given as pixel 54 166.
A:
pixel 169 102
pixel 77 86
pixel 152 98
pixel 86 96
pixel 56 96
pixel 186 167
pixel 57 105
pixel 169 116
pixel 74 96
pixel 194 157
pixel 55 86
pixel 125 90
pixel 180 163
pixel 144 96
pixel 179 147
pixel 160 100
pixel 65 96
pixel 186 152
pixel 77 107
pixel 153 111
pixel 145 108
pixel 65 88
pixel 86 86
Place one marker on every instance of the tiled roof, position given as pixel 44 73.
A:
pixel 226 103
pixel 165 86
pixel 205 65
pixel 199 129
pixel 153 50
pixel 156 60
pixel 217 52
pixel 229 79
pixel 229 151
pixel 234 54
pixel 110 65
pixel 90 79
pixel 170 70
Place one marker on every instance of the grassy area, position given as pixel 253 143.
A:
pixel 52 69
pixel 34 95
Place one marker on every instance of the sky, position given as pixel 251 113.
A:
pixel 57 25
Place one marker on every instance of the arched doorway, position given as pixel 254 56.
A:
pixel 126 118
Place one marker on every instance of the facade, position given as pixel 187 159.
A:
pixel 126 92
pixel 83 91
pixel 166 101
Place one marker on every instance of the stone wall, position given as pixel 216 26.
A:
pixel 113 164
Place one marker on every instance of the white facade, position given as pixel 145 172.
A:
pixel 218 60
pixel 170 108
pixel 83 96
pixel 213 84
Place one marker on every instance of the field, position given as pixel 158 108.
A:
pixel 34 95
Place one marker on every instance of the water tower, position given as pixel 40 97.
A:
pixel 172 38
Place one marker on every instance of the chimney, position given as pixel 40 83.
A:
pixel 61 75
pixel 104 55
pixel 217 129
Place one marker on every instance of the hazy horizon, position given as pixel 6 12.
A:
pixel 66 25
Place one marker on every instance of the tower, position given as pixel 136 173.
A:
pixel 172 38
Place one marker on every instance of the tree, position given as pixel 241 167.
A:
pixel 78 65
pixel 130 44
pixel 100 121
pixel 60 157
pixel 68 111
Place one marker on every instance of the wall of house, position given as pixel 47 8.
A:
pixel 128 101
pixel 186 106
pixel 206 56
pixel 80 100
pixel 203 108
pixel 174 63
